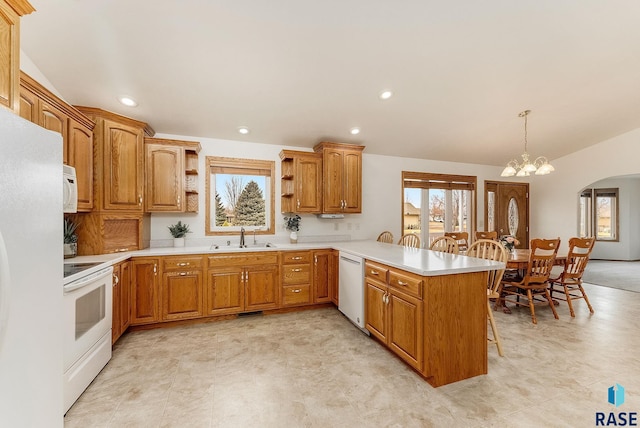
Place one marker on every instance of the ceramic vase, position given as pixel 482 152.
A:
pixel 293 237
pixel 178 242
pixel 70 250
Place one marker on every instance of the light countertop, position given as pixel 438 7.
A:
pixel 421 262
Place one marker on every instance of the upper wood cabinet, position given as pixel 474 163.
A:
pixel 119 166
pixel 171 180
pixel 342 177
pixel 10 13
pixel 40 106
pixel 301 182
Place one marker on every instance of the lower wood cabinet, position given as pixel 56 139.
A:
pixel 181 288
pixel 242 283
pixel 393 311
pixel 145 291
pixel 325 276
pixel 436 324
pixel 296 278
pixel 121 317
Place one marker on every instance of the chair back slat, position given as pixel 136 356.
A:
pixel 445 244
pixel 487 235
pixel 461 238
pixel 489 249
pixel 541 260
pixel 577 258
pixel 386 237
pixel 410 240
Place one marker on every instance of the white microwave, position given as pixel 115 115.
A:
pixel 70 189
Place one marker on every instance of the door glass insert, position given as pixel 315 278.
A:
pixel 513 217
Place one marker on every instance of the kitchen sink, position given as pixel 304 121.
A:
pixel 246 247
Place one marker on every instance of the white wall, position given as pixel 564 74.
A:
pixel 34 72
pixel 554 198
pixel 382 194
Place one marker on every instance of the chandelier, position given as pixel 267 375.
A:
pixel 540 166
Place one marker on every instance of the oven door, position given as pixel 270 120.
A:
pixel 87 313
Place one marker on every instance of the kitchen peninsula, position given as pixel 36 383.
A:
pixel 428 308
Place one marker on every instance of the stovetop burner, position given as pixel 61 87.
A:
pixel 73 268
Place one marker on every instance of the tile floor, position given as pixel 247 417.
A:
pixel 314 369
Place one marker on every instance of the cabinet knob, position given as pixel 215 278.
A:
pixel 139 199
pixel 298 203
pixel 116 280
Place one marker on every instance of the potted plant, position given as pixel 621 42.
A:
pixel 70 238
pixel 293 225
pixel 179 231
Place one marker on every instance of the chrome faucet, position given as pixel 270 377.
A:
pixel 242 238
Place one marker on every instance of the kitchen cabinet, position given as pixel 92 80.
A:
pixel 325 276
pixel 171 179
pixel 40 106
pixel 301 182
pixel 393 311
pixel 296 278
pixel 145 291
pixel 242 283
pixel 121 299
pixel 102 233
pixel 10 13
pixel 182 289
pixel 341 177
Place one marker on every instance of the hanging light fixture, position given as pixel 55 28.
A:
pixel 540 166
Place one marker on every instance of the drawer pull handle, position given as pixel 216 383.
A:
pixel 402 283
pixel 183 264
pixel 296 270
pixel 374 272
pixel 296 258
pixel 183 273
pixel 296 290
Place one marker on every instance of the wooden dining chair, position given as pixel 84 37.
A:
pixel 487 235
pixel 462 238
pixel 489 249
pixel 445 244
pixel 569 282
pixel 410 240
pixel 386 237
pixel 535 282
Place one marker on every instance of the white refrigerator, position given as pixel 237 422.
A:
pixel 31 274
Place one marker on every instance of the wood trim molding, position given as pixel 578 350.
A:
pixel 340 146
pixel 93 112
pixel 21 7
pixel 43 93
pixel 191 145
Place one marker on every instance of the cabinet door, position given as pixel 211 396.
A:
pixel 262 287
pixel 333 278
pixel 80 147
pixel 165 178
pixel 144 292
pixel 405 327
pixel 333 180
pixel 352 182
pixel 55 120
pixel 224 291
pixel 376 309
pixel 122 167
pixel 322 276
pixel 125 296
pixel 308 177
pixel 116 308
pixel 29 105
pixel 181 295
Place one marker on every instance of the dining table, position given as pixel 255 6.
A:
pixel 519 259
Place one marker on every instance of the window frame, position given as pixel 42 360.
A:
pixel 426 181
pixel 247 167
pixel 591 217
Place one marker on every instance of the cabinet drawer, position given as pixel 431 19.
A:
pixel 406 283
pixel 376 271
pixel 247 259
pixel 181 263
pixel 296 274
pixel 296 295
pixel 296 257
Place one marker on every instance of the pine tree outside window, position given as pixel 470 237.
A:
pixel 239 194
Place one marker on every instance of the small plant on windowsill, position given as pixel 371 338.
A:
pixel 179 231
pixel 293 225
pixel 70 238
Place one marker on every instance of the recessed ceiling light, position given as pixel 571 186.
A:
pixel 385 95
pixel 355 131
pixel 243 130
pixel 128 101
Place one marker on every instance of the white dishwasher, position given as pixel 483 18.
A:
pixel 351 288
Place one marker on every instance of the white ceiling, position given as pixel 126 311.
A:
pixel 298 72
